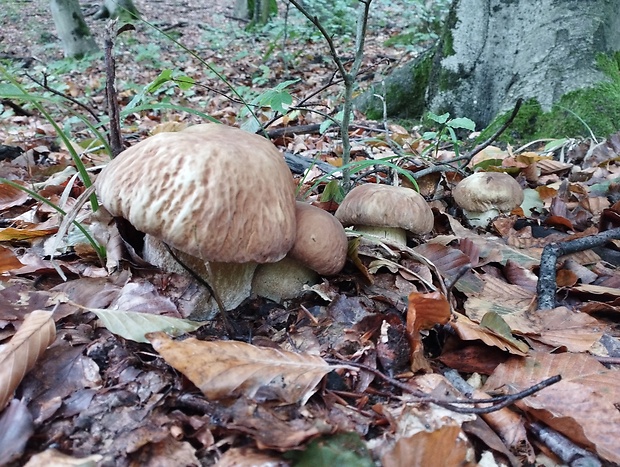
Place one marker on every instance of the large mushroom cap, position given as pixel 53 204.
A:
pixel 215 192
pixel 321 241
pixel 484 191
pixel 386 206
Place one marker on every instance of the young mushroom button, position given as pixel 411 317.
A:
pixel 320 247
pixel 485 195
pixel 386 211
pixel 219 194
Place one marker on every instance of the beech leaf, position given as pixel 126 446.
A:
pixel 18 357
pixel 134 325
pixel 225 369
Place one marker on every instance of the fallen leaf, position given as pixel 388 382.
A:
pixel 468 330
pixel 575 405
pixel 225 369
pixel 134 326
pixel 18 357
pixel 54 458
pixel 8 260
pixel 11 196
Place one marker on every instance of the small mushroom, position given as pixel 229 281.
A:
pixel 485 195
pixel 386 211
pixel 320 248
pixel 218 194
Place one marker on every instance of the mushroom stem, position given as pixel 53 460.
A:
pixel 389 234
pixel 228 284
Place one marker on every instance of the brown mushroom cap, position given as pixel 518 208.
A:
pixel 215 192
pixel 321 242
pixel 484 191
pixel 386 206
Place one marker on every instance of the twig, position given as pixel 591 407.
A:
pixel 497 134
pixel 546 278
pixel 47 87
pixel 502 401
pixel 115 139
pixel 564 448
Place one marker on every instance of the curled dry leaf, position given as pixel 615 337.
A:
pixel 225 369
pixel 424 311
pixel 22 352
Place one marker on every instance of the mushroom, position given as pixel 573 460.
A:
pixel 320 248
pixel 485 195
pixel 214 193
pixel 386 211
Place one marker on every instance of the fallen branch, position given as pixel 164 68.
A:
pixel 499 402
pixel 562 447
pixel 547 285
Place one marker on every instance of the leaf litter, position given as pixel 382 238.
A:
pixel 339 372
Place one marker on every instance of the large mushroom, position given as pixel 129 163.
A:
pixel 386 211
pixel 218 196
pixel 485 195
pixel 320 248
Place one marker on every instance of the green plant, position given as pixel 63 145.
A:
pixel 336 192
pixel 447 131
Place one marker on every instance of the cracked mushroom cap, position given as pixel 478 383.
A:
pixel 321 241
pixel 216 192
pixel 484 191
pixel 386 206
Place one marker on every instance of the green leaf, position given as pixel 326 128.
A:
pixel 344 450
pixel 462 122
pixel 333 192
pixel 494 322
pixel 163 78
pixel 133 325
pixel 441 119
pixel 184 82
pixel 429 135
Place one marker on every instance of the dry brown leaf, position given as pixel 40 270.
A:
pixel 248 457
pixel 582 406
pixel 18 357
pixel 468 330
pixel 11 234
pixel 423 449
pixel 227 369
pixel 424 311
pixel 561 327
pixel 11 196
pixel 54 458
pixel 8 260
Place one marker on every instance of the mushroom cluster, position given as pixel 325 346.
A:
pixel 217 194
pixel 485 195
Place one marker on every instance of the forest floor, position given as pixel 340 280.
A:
pixel 375 365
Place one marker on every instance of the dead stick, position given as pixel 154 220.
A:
pixel 546 277
pixel 449 404
pixel 116 142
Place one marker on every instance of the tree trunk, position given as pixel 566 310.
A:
pixel 495 51
pixel 123 9
pixel 72 30
pixel 257 11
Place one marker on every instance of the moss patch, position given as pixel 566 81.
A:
pixel 405 95
pixel 595 109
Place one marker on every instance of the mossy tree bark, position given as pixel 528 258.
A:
pixel 123 9
pixel 72 30
pixel 494 51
